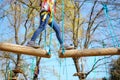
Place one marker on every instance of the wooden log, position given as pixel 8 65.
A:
pixel 89 52
pixel 81 74
pixel 19 49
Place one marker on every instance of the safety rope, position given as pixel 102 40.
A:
pixel 52 12
pixel 49 52
pixel 110 26
pixel 63 50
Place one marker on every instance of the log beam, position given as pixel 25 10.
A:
pixel 20 49
pixel 89 52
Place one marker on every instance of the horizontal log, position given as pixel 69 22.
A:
pixel 20 49
pixel 79 74
pixel 89 52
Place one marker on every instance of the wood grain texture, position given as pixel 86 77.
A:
pixel 20 49
pixel 89 52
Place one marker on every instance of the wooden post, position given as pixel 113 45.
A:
pixel 81 74
pixel 19 49
pixel 89 52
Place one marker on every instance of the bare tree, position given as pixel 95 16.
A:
pixel 21 14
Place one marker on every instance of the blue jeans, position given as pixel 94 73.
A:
pixel 42 27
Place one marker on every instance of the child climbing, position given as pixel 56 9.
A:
pixel 46 17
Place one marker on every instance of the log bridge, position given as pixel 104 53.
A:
pixel 89 52
pixel 20 49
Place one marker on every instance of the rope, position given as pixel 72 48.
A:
pixel 63 50
pixel 51 34
pixel 49 52
pixel 110 25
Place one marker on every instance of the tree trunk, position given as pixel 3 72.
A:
pixel 36 70
pixel 76 62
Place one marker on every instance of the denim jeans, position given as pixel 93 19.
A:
pixel 42 27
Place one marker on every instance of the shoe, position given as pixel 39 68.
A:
pixel 66 47
pixel 32 44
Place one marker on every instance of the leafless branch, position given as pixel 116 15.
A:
pixel 36 8
pixel 25 25
pixel 96 66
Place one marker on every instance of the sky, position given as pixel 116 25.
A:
pixel 65 69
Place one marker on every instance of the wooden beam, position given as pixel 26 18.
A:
pixel 81 74
pixel 89 52
pixel 20 49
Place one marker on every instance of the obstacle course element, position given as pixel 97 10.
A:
pixel 20 49
pixel 89 52
pixel 81 74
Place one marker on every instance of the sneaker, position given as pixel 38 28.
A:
pixel 32 44
pixel 66 47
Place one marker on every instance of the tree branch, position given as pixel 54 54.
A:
pixel 96 66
